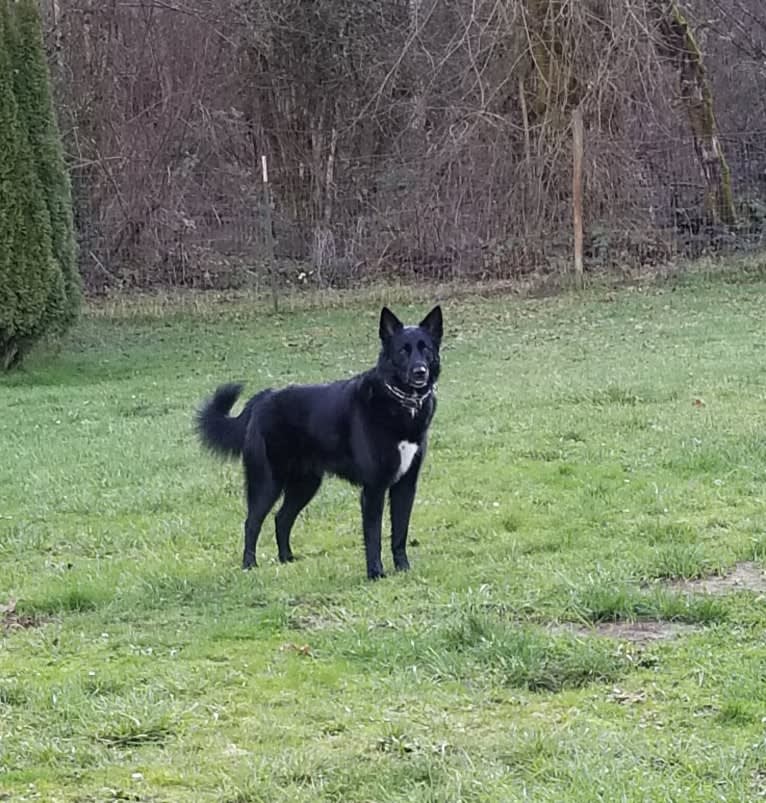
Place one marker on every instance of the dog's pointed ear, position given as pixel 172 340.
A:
pixel 389 323
pixel 432 323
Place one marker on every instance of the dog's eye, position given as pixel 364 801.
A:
pixel 423 348
pixel 405 350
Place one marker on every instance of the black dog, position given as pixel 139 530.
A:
pixel 371 430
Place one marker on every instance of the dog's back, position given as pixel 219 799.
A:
pixel 306 428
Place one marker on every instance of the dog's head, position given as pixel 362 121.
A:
pixel 409 356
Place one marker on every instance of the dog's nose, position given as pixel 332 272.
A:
pixel 419 372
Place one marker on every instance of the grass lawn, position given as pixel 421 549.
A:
pixel 591 460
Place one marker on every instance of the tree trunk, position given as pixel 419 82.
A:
pixel 556 90
pixel 697 98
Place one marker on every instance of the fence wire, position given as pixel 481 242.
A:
pixel 482 213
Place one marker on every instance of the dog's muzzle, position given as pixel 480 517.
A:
pixel 419 376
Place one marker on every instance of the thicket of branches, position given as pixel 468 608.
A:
pixel 429 136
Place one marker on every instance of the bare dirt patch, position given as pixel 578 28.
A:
pixel 643 632
pixel 634 632
pixel 312 616
pixel 744 576
pixel 11 619
pixel 313 621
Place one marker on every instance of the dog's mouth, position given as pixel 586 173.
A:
pixel 418 382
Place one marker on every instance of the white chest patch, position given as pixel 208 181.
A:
pixel 407 452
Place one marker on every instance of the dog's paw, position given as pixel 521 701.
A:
pixel 402 565
pixel 248 562
pixel 376 574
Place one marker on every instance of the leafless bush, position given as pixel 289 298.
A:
pixel 430 137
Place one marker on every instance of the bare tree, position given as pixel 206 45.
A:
pixel 425 136
pixel 680 45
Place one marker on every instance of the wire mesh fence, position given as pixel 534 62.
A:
pixel 474 213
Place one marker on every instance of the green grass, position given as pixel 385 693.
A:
pixel 588 453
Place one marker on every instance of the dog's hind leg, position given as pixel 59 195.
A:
pixel 298 493
pixel 262 492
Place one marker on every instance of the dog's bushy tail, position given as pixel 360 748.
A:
pixel 220 432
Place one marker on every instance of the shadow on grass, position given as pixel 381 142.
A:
pixel 73 597
pixel 475 646
pixel 605 601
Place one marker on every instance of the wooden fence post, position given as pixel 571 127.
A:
pixel 268 234
pixel 577 147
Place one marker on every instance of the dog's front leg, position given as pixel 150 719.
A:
pixel 402 497
pixel 373 499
